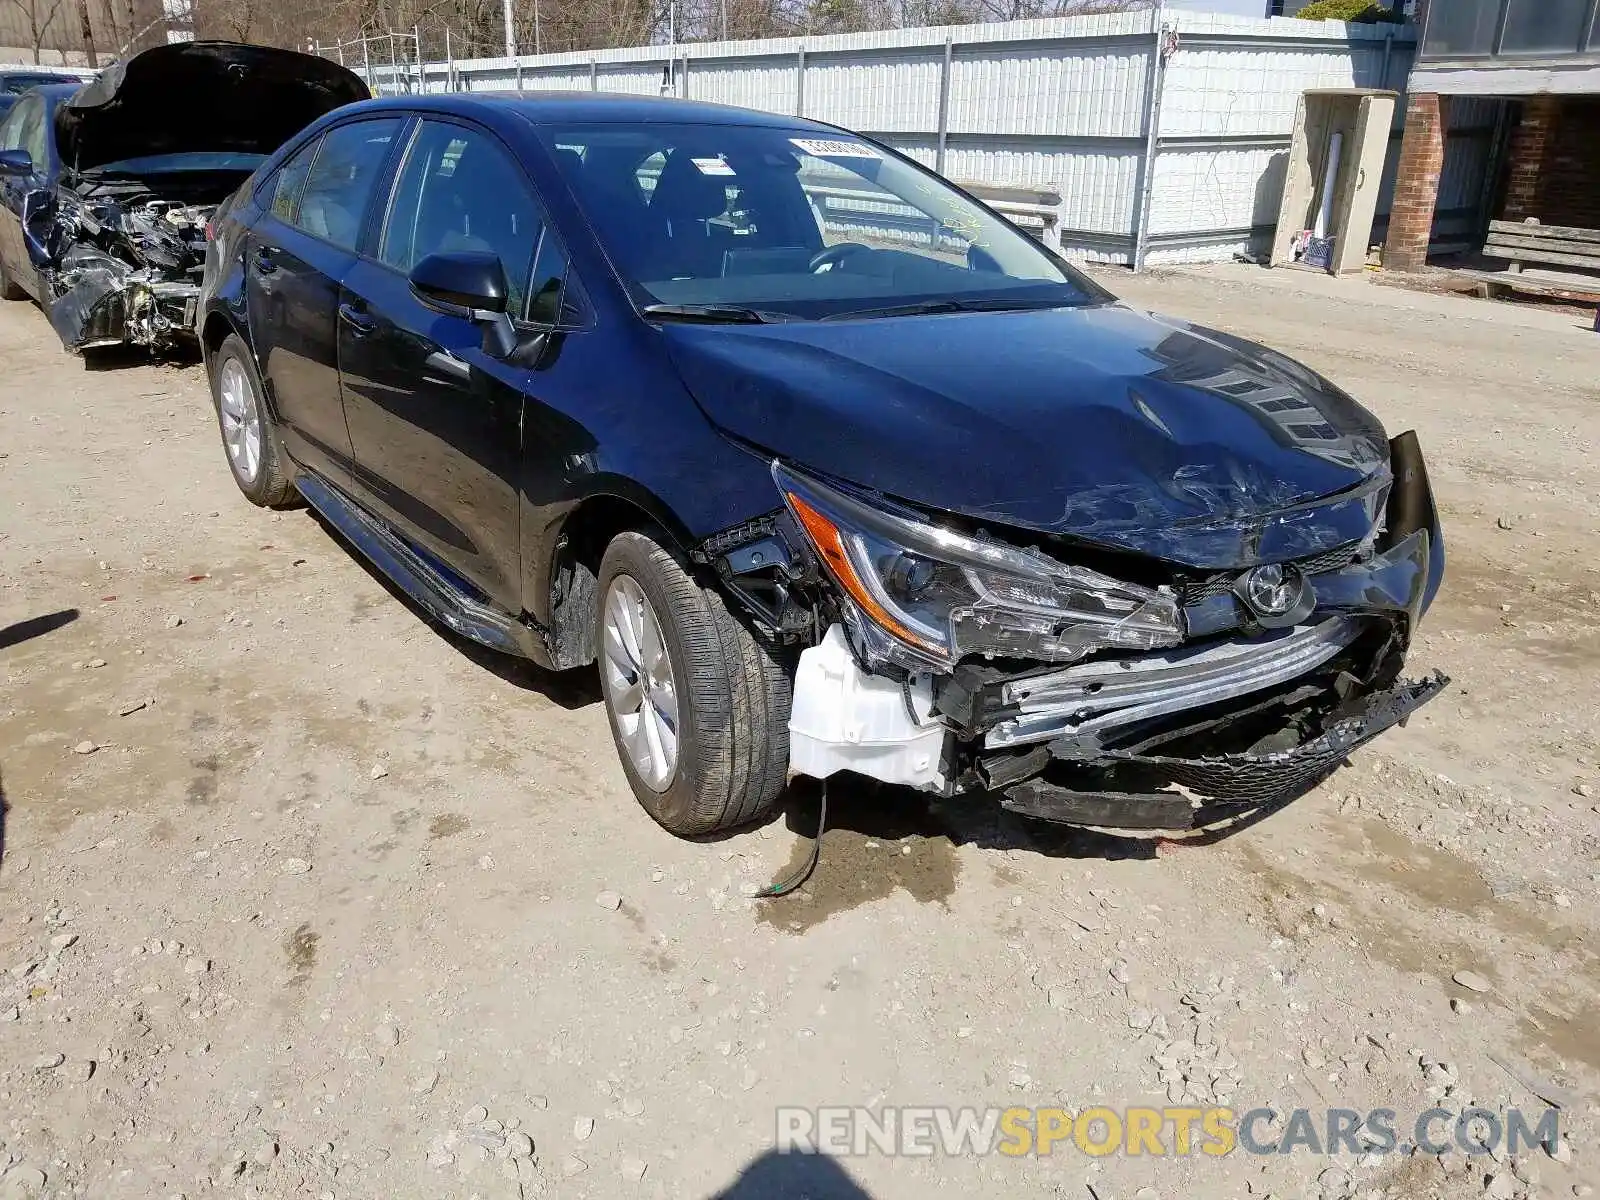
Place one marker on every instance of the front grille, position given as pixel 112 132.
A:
pixel 1194 588
pixel 1336 559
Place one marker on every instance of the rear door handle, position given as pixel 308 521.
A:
pixel 264 262
pixel 360 324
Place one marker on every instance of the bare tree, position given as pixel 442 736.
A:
pixel 86 32
pixel 476 27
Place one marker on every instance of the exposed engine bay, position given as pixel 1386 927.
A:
pixel 124 264
pixel 954 662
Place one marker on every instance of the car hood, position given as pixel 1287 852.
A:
pixel 193 97
pixel 1098 424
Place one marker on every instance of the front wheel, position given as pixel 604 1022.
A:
pixel 698 704
pixel 249 438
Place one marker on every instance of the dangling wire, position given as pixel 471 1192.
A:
pixel 784 887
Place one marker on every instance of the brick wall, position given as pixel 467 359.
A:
pixel 1554 162
pixel 1531 141
pixel 1416 186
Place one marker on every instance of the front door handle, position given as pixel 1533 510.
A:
pixel 360 324
pixel 264 262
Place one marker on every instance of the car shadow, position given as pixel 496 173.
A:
pixel 22 631
pixel 573 689
pixel 120 358
pixel 888 813
pixel 4 808
pixel 864 806
pixel 793 1176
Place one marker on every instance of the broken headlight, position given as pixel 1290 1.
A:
pixel 939 595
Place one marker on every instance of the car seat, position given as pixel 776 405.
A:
pixel 685 201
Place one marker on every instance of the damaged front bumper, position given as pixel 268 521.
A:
pixel 102 301
pixel 1217 787
pixel 1252 708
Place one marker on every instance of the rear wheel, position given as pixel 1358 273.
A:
pixel 249 438
pixel 698 704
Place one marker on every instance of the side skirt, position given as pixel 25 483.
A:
pixel 438 595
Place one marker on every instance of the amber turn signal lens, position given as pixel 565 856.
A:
pixel 825 536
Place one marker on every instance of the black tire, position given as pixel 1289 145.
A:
pixel 10 289
pixel 733 697
pixel 271 486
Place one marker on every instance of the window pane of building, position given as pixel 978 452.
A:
pixel 1545 26
pixel 1461 27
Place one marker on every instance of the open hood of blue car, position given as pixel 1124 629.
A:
pixel 199 97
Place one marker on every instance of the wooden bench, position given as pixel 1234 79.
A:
pixel 1545 245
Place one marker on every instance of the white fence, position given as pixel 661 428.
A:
pixel 1164 134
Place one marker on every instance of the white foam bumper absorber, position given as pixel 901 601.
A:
pixel 846 720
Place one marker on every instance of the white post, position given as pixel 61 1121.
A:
pixel 511 33
pixel 1330 177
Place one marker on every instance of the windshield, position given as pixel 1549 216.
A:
pixel 792 224
pixel 160 164
pixel 15 85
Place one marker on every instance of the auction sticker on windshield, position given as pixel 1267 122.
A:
pixel 823 148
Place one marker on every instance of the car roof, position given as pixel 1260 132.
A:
pixel 558 108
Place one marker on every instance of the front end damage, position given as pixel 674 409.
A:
pixel 122 271
pixel 951 661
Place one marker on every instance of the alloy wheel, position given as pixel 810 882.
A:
pixel 639 687
pixel 241 420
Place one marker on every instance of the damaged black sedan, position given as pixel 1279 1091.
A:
pixel 829 467
pixel 106 188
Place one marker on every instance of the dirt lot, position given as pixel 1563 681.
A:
pixel 298 896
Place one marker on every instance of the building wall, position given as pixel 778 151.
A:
pixel 1232 8
pixel 111 22
pixel 1567 159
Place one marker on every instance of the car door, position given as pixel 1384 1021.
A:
pixel 436 422
pixel 295 256
pixel 23 129
pixel 10 194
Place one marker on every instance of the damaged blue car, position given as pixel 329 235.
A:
pixel 106 187
pixel 824 464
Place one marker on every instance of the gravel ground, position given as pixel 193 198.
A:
pixel 301 897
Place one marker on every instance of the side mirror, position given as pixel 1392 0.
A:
pixel 15 162
pixel 471 284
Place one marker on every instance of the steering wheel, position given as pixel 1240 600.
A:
pixel 832 255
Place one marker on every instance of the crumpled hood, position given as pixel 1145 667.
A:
pixel 192 97
pixel 1100 424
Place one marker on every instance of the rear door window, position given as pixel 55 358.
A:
pixel 289 182
pixel 341 180
pixel 460 190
